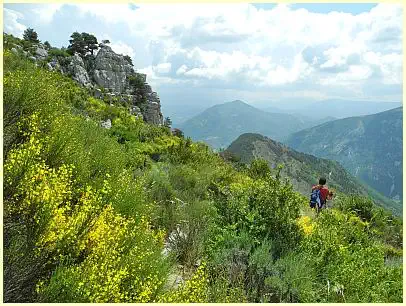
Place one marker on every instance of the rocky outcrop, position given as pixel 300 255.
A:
pixel 108 75
pixel 106 124
pixel 41 53
pixel 77 69
pixel 54 65
pixel 111 70
pixel 153 109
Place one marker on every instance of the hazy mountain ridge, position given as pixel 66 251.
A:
pixel 303 170
pixel 370 147
pixel 336 108
pixel 220 124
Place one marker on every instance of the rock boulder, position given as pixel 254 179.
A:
pixel 111 70
pixel 77 69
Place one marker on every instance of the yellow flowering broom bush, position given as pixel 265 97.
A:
pixel 122 264
pixel 103 256
pixel 195 290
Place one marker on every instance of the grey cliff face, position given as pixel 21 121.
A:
pixel 41 53
pixel 77 69
pixel 111 70
pixel 153 110
pixel 108 75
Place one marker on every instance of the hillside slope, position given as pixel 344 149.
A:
pixel 370 147
pixel 303 170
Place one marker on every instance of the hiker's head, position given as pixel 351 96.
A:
pixel 322 181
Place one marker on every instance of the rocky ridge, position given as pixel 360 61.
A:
pixel 108 76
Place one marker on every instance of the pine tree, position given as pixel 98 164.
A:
pixel 168 122
pixel 82 43
pixel 47 45
pixel 128 59
pixel 30 35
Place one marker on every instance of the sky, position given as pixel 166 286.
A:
pixel 204 54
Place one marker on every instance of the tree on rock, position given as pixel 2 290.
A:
pixel 128 59
pixel 47 45
pixel 82 43
pixel 90 41
pixel 30 35
pixel 168 122
pixel 76 44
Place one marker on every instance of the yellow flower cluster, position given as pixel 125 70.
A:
pixel 119 266
pixel 306 224
pixel 195 290
pixel 117 258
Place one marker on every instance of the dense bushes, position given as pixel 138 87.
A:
pixel 90 213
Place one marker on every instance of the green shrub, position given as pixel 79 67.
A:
pixel 55 52
pixel 361 206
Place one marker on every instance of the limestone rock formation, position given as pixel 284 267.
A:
pixel 111 70
pixel 109 76
pixel 153 110
pixel 41 53
pixel 77 69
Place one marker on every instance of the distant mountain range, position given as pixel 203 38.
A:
pixel 219 125
pixel 303 170
pixel 179 113
pixel 370 147
pixel 331 108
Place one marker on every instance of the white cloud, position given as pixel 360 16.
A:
pixel 348 78
pixel 182 69
pixel 46 12
pixel 11 24
pixel 121 48
pixel 237 44
pixel 163 68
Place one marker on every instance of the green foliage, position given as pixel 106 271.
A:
pixel 137 83
pixel 58 53
pixel 167 122
pixel 30 35
pixel 10 41
pixel 127 58
pixel 26 90
pixel 361 206
pixel 47 45
pixel 350 261
pixel 303 170
pixel 82 43
pixel 259 169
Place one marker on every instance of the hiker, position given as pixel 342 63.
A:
pixel 320 194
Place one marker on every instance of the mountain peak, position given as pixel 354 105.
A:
pixel 236 103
